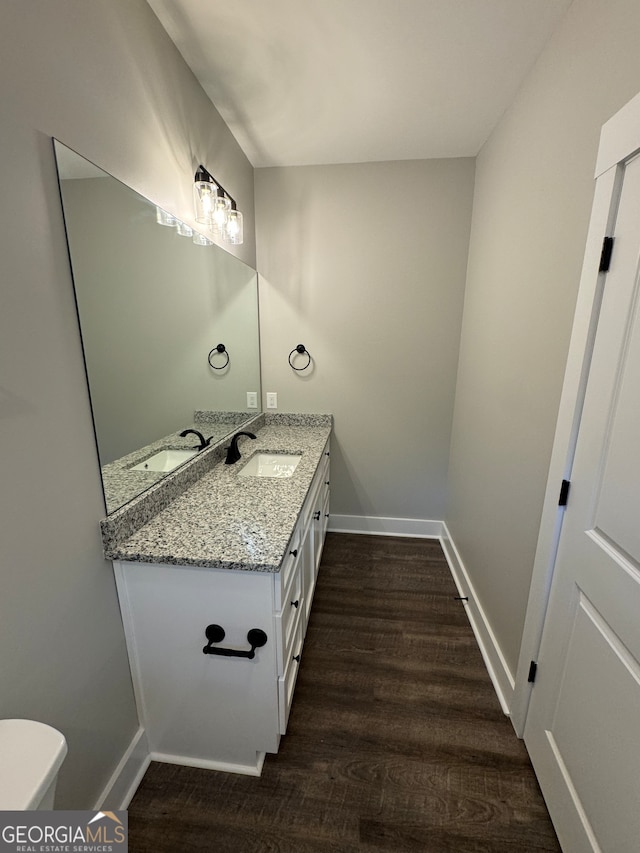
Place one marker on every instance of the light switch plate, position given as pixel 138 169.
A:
pixel 252 399
pixel 272 400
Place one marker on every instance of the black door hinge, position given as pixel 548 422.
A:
pixel 533 668
pixel 605 256
pixel 564 493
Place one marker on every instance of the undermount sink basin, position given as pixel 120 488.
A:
pixel 165 460
pixel 270 465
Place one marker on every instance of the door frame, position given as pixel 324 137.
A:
pixel 619 140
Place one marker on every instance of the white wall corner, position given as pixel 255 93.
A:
pixel 127 776
pixel 499 672
pixel 380 526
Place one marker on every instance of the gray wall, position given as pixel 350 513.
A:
pixel 534 188
pixel 365 264
pixel 104 78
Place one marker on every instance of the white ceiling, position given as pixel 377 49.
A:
pixel 303 82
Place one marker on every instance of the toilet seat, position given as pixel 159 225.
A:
pixel 30 756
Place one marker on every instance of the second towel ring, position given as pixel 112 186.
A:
pixel 301 350
pixel 220 348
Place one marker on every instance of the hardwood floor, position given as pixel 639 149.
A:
pixel 396 739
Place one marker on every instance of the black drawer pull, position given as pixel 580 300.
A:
pixel 326 482
pixel 295 603
pixel 215 634
pixel 327 453
pixel 294 553
pixel 296 658
pixel 316 515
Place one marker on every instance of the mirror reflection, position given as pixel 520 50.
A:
pixel 154 308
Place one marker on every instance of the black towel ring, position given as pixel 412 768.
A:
pixel 219 349
pixel 301 350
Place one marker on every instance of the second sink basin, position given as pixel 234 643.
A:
pixel 164 460
pixel 270 465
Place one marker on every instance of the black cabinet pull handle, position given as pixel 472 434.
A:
pixel 327 453
pixel 316 515
pixel 326 482
pixel 296 658
pixel 326 515
pixel 295 603
pixel 294 553
pixel 215 634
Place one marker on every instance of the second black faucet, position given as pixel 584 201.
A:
pixel 204 442
pixel 233 454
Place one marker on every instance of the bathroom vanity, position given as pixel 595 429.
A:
pixel 216 591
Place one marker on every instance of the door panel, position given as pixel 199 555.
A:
pixel 591 716
pixel 582 730
pixel 617 513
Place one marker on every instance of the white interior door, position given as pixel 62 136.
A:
pixel 583 726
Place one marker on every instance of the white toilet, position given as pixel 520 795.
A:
pixel 30 756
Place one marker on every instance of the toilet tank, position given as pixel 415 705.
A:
pixel 30 757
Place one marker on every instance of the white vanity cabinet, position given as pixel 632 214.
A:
pixel 209 710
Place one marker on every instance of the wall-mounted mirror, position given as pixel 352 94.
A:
pixel 152 306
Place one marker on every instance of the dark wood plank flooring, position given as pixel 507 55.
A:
pixel 396 739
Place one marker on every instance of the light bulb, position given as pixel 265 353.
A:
pixel 203 197
pixel 220 208
pixel 234 228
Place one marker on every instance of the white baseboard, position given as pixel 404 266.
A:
pixel 499 672
pixel 204 764
pixel 377 526
pixel 127 776
pixel 125 779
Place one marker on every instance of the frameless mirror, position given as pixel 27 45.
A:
pixel 153 307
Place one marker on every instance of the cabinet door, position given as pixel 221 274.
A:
pixel 308 576
pixel 287 682
pixel 320 520
pixel 286 620
pixel 200 709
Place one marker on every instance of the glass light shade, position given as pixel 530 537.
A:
pixel 184 230
pixel 164 218
pixel 234 231
pixel 201 240
pixel 204 193
pixel 220 209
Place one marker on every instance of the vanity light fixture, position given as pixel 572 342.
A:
pixel 215 208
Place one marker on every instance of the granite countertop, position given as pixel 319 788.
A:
pixel 231 522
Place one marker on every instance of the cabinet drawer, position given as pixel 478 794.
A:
pixel 290 563
pixel 287 682
pixel 286 621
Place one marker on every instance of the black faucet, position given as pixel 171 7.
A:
pixel 233 454
pixel 204 442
